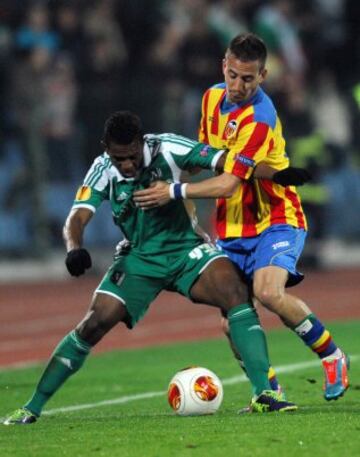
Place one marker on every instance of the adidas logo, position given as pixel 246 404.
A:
pixel 122 196
pixel 66 362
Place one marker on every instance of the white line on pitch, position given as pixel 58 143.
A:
pixel 142 396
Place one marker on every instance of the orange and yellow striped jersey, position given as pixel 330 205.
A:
pixel 252 133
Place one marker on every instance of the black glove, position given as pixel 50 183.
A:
pixel 292 176
pixel 77 261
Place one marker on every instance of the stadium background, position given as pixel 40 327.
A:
pixel 66 65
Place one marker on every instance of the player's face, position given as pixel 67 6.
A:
pixel 127 158
pixel 241 78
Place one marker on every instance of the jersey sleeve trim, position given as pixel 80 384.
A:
pixel 84 205
pixel 175 170
pixel 97 177
pixel 216 159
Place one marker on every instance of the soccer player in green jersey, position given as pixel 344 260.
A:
pixel 165 253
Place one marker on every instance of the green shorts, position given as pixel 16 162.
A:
pixel 136 280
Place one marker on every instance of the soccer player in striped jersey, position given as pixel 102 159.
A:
pixel 260 223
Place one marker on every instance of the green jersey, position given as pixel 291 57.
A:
pixel 164 229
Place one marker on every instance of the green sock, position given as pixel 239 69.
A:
pixel 67 359
pixel 249 340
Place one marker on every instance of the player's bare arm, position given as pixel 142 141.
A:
pixel 78 259
pixel 261 171
pixel 223 185
pixel 161 192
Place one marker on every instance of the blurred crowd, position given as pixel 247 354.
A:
pixel 66 65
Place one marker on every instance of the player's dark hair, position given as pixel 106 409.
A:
pixel 122 127
pixel 248 47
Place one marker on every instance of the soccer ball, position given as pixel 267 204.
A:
pixel 195 391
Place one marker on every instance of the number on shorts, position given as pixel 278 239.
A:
pixel 198 252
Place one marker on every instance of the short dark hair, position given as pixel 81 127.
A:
pixel 248 47
pixel 123 127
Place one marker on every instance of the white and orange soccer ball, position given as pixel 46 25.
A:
pixel 195 391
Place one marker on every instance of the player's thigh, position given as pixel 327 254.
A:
pixel 241 251
pixel 220 285
pixel 135 292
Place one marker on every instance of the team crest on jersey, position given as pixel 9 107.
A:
pixel 83 193
pixel 230 129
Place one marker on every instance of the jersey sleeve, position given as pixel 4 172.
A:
pixel 96 186
pixel 200 156
pixel 254 143
pixel 181 153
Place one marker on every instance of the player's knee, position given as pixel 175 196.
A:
pixel 88 328
pixel 270 296
pixel 236 294
pixel 94 326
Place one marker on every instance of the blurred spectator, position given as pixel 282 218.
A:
pixel 330 111
pixel 100 21
pixel 29 108
pixel 36 31
pixel 353 100
pixel 69 26
pixel 102 89
pixel 275 23
pixel 102 79
pixel 199 57
pixel 66 65
pixel 227 20
pixel 306 148
pixel 60 93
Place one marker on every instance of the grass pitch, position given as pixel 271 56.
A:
pixel 117 406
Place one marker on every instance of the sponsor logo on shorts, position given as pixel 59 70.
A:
pixel 245 160
pixel 280 244
pixel 117 277
pixel 83 193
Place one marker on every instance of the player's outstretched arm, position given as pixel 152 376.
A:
pixel 77 259
pixel 290 176
pixel 161 192
pixel 223 185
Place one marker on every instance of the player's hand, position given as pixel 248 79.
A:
pixel 156 195
pixel 77 261
pixel 292 176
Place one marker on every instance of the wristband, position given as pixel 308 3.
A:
pixel 177 191
pixel 171 191
pixel 183 190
